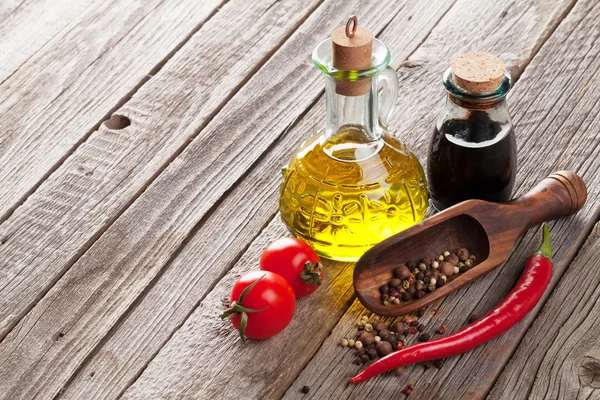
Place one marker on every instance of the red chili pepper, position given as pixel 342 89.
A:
pixel 528 291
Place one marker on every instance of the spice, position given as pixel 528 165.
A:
pixel 372 353
pixel 525 295
pixel 420 327
pixel 439 363
pixel 399 371
pixel 358 344
pixel 447 269
pixel 368 327
pixel 351 343
pixel 424 337
pixel 391 339
pixel 473 318
pixel 402 272
pixel 305 389
pixel 442 329
pixel 366 338
pixel 462 254
pixel 408 389
pixel 383 348
pixel 344 342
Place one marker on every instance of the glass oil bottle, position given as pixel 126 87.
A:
pixel 353 184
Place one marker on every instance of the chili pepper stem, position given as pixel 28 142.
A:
pixel 545 248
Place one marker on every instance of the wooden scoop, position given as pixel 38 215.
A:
pixel 488 230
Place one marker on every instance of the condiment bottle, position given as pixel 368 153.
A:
pixel 473 152
pixel 352 184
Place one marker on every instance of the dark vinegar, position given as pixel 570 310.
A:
pixel 472 158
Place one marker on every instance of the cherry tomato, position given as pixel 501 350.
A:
pixel 262 304
pixel 296 262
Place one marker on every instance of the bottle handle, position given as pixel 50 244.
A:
pixel 388 94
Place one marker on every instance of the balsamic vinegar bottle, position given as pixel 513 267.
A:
pixel 473 151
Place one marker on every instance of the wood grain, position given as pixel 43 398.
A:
pixel 180 370
pixel 26 26
pixel 561 350
pixel 552 122
pixel 56 99
pixel 224 235
pixel 149 233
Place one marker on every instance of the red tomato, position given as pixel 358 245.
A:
pixel 268 306
pixel 296 262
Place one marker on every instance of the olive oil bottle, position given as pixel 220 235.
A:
pixel 353 184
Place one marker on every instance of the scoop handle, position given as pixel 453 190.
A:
pixel 561 194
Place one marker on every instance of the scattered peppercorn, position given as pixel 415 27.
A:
pixel 414 322
pixel 399 371
pixel 358 360
pixel 383 348
pixel 439 363
pixel 398 326
pixel 305 389
pixel 442 329
pixel 379 325
pixel 424 337
pixel 365 358
pixel 421 312
pixel 368 327
pixel 344 342
pixel 358 344
pixel 408 389
pixel 391 339
pixel 473 318
pixel 372 353
pixel 351 343
pixel 377 339
pixel 420 327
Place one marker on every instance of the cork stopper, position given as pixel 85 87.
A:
pixel 478 73
pixel 352 50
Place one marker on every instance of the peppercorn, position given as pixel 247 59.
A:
pixel 447 269
pixel 408 389
pixel 427 274
pixel 365 358
pixel 408 319
pixel 350 343
pixel 415 271
pixel 386 302
pixel 399 371
pixel 452 259
pixel 412 291
pixel 398 346
pixel 366 338
pixel 463 269
pixel 421 312
pixel 383 332
pixel 344 342
pixel 456 270
pixel 365 318
pixel 431 287
pixel 368 327
pixel 358 360
pixel 384 289
pixel 472 257
pixel 443 277
pixel 383 348
pixel 395 282
pixel 376 318
pixel 391 339
pixel 419 285
pixel 439 363
pixel 473 318
pixel 402 272
pixel 442 329
pixel 411 331
pixel 379 325
pixel 394 293
pixel 414 322
pixel 440 258
pixel 372 353
pixel 462 254
pixel 422 267
pixel 398 326
pixel 392 299
pixel 423 337
pixel 420 327
pixel 435 264
pixel 427 261
pixel 435 273
pixel 305 389
pixel 376 339
pixel 406 296
pixel 405 284
pixel 446 253
pixel 396 301
pixel 469 263
pixel 402 339
pixel 420 293
pixel 427 365
pixel 439 283
pixel 419 276
pixel 361 351
pixel 411 265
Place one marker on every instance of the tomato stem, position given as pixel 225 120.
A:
pixel 312 273
pixel 238 308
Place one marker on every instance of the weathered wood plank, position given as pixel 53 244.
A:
pixel 115 165
pixel 559 356
pixel 25 26
pixel 181 370
pixel 559 124
pixel 62 93
pixel 136 263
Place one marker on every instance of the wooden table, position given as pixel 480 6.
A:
pixel 140 149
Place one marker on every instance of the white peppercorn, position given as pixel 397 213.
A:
pixel 344 342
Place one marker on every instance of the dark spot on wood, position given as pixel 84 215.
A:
pixel 92 374
pixel 117 122
pixel 89 173
pixel 2 240
pixel 503 13
pixel 589 372
pixel 59 336
pixel 409 18
pixel 410 64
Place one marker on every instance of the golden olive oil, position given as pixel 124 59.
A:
pixel 345 194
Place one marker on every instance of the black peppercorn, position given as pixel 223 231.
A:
pixel 412 291
pixel 462 269
pixel 439 363
pixel 383 333
pixel 411 265
pixel 391 339
pixel 385 289
pixel 439 283
pixel 379 325
pixel 473 318
pixel 414 322
pixel 361 351
pixel 398 327
pixel 395 282
pixel 305 389
pixel 383 348
pixel 419 276
pixel 358 361
pixel 426 261
pixel 421 312
pixel 406 296
pixel 420 327
pixel 423 337
pixel 372 353
pixel 365 358
pixel 420 294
